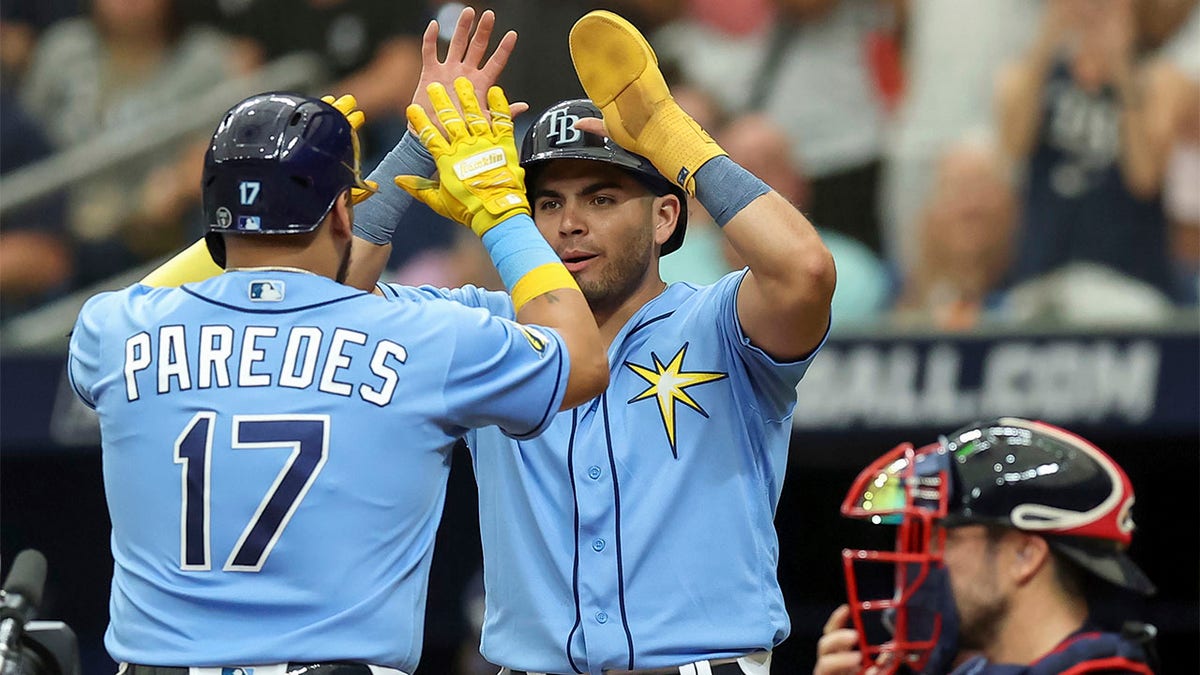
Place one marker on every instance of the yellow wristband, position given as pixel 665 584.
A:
pixel 539 281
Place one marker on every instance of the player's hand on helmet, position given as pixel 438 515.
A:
pixel 464 56
pixel 619 71
pixel 480 179
pixel 348 106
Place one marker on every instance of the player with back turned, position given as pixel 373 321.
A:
pixel 276 444
pixel 637 533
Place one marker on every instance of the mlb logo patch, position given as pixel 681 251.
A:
pixel 249 223
pixel 266 290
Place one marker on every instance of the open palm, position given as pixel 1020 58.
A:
pixel 465 57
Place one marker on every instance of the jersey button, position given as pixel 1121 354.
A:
pixel 594 472
pixel 601 617
pixel 598 545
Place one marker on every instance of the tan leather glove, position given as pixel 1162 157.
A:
pixel 619 72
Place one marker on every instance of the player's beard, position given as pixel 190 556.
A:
pixel 343 267
pixel 981 612
pixel 622 276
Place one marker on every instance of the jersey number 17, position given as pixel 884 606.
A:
pixel 307 436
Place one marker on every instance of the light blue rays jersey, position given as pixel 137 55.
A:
pixel 276 448
pixel 637 532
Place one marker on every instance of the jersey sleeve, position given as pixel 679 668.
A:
pixel 83 355
pixel 495 302
pixel 774 381
pixel 504 373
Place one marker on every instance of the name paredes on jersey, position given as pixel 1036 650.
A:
pixel 303 357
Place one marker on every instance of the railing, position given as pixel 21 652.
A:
pixel 301 72
pixel 45 329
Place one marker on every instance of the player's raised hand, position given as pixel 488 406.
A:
pixel 465 57
pixel 348 106
pixel 837 650
pixel 480 179
pixel 620 73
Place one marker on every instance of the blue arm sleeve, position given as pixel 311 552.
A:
pixel 724 188
pixel 376 219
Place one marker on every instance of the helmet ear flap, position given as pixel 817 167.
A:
pixel 215 242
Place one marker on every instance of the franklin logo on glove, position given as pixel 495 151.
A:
pixel 477 164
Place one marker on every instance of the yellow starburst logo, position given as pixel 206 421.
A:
pixel 667 385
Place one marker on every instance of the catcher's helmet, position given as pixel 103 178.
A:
pixel 1011 472
pixel 275 165
pixel 554 136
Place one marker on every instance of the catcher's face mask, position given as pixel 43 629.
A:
pixel 900 601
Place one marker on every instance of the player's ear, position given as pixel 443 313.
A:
pixel 341 216
pixel 666 217
pixel 1030 554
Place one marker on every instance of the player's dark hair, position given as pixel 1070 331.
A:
pixel 995 532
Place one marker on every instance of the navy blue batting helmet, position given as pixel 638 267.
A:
pixel 554 136
pixel 276 164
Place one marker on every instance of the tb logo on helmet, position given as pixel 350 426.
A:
pixel 562 127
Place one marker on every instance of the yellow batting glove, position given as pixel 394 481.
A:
pixel 619 72
pixel 480 179
pixel 348 106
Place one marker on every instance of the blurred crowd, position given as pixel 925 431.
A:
pixel 967 161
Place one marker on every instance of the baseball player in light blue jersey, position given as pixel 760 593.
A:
pixel 636 534
pixel 276 444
